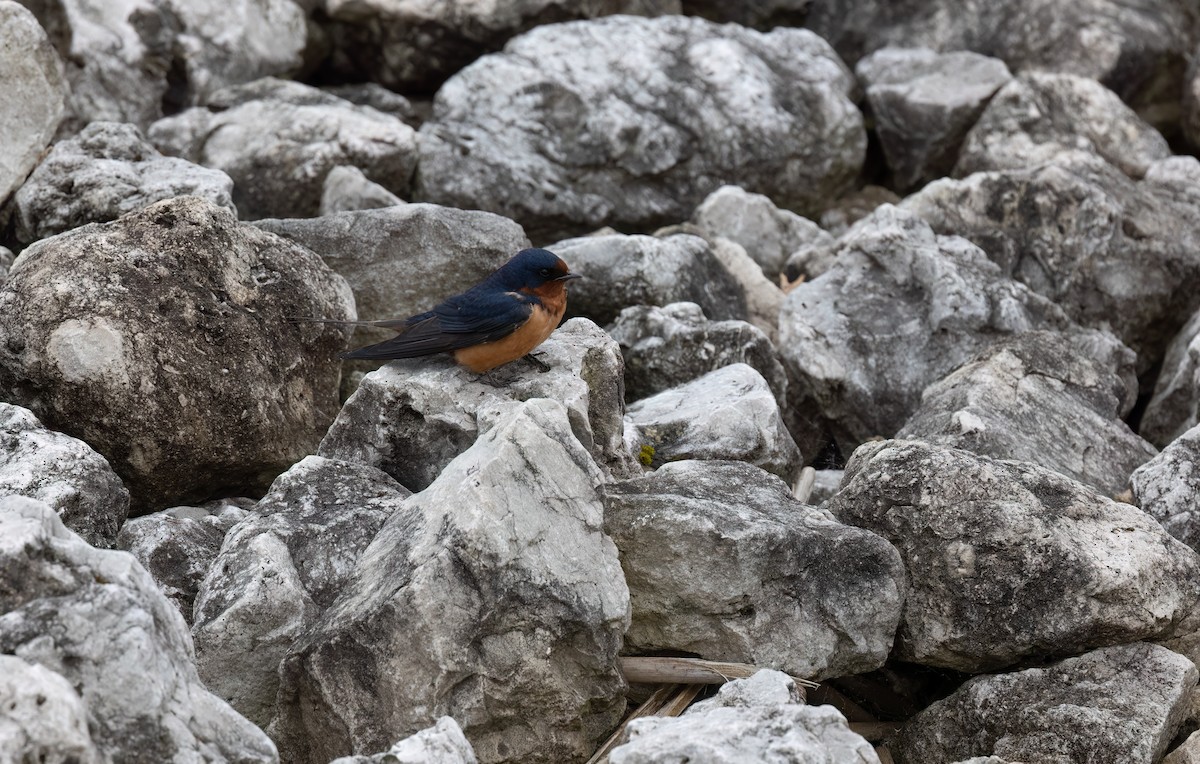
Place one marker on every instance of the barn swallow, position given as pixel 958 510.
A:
pixel 498 320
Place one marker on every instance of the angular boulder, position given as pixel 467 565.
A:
pixel 1168 488
pixel 163 341
pixel 1174 408
pixel 44 718
pixel 443 743
pixel 346 189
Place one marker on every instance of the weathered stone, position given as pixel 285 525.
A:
pixel 6 261
pixel 178 546
pixel 42 717
pixel 104 172
pixel 669 346
pixel 899 309
pixel 1175 406
pixel 825 484
pixel 632 122
pixel 1168 488
pixel 443 743
pixel 63 472
pixel 407 44
pixel 768 234
pixel 1118 705
pixel 760 14
pixel 97 618
pixel 621 271
pixel 762 296
pixel 729 413
pixel 1187 753
pixel 278 140
pixel 162 340
pixel 1008 561
pixel 412 417
pixel 1113 253
pixel 279 569
pixel 1055 399
pixel 721 561
pixel 346 189
pixel 755 719
pixel 924 103
pixel 377 97
pixel 1039 115
pixel 401 261
pixel 1191 101
pixel 34 95
pixel 493 596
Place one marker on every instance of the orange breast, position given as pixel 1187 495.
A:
pixel 543 321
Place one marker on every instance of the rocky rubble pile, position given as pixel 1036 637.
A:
pixel 883 373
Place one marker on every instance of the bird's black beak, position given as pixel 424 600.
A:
pixel 569 276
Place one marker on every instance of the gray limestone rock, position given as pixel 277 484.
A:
pixel 97 618
pixel 768 234
pixel 763 296
pixel 1168 488
pixel 1039 115
pixel 493 596
pixel 410 418
pixel 177 546
pixel 620 271
pixel 401 261
pixel 721 561
pixel 669 346
pixel 1117 705
pixel 63 472
pixel 727 414
pixel 278 140
pixel 346 189
pixel 760 14
pixel 1187 753
pixel 104 172
pixel 1008 561
pixel 1112 252
pixel 899 309
pixel 632 122
pixel 411 44
pixel 42 717
pixel 1191 102
pixel 279 569
pixel 1055 399
pixel 1175 406
pixel 443 743
pixel 34 99
pixel 924 103
pixel 163 341
pixel 377 97
pixel 6 261
pixel 756 719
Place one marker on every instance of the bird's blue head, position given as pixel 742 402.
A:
pixel 531 269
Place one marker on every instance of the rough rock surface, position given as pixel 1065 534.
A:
pixel 924 103
pixel 346 189
pixel 162 341
pixel 6 261
pixel 1191 102
pixel 768 234
pixel 63 472
pixel 443 743
pixel 42 717
pixel 407 44
pixel 279 569
pixel 721 561
pixel 899 309
pixel 1039 115
pixel 377 97
pixel 402 261
pixel 729 413
pixel 34 98
pixel 178 546
pixel 1175 406
pixel 1168 488
pixel 754 719
pixel 668 346
pixel 1112 252
pixel 1187 753
pixel 620 271
pixel 493 596
pixel 104 172
pixel 1137 49
pixel 278 140
pixel 1117 705
pixel 97 618
pixel 1055 399
pixel 1008 561
pixel 631 121
pixel 412 417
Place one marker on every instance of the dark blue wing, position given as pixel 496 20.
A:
pixel 476 316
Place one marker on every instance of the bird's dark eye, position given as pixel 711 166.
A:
pixel 545 273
